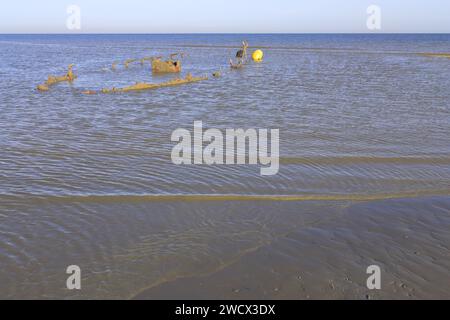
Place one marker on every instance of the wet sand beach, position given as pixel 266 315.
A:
pixel 325 252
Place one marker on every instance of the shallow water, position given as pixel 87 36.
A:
pixel 88 180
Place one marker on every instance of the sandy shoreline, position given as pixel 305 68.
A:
pixel 327 259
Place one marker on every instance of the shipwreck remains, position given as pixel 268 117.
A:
pixel 171 65
pixel 241 57
pixel 168 66
pixel 148 86
pixel 51 80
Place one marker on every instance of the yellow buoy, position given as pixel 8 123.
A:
pixel 257 56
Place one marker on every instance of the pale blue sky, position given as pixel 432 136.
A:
pixel 225 16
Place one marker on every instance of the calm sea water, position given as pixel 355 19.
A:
pixel 361 117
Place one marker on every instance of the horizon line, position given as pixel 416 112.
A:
pixel 224 33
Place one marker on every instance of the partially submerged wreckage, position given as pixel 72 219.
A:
pixel 158 65
pixel 51 80
pixel 241 57
pixel 172 65
pixel 148 86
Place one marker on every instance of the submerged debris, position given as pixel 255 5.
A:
pixel 89 92
pixel 69 77
pixel 127 62
pixel 172 65
pixel 237 65
pixel 168 66
pixel 148 86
